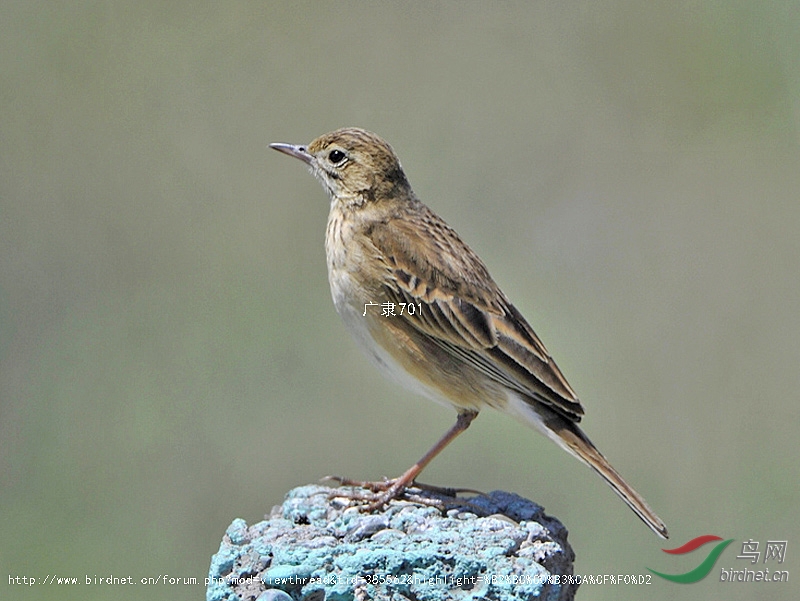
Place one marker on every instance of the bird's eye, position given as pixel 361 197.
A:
pixel 336 156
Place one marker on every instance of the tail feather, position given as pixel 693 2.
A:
pixel 570 437
pixel 577 443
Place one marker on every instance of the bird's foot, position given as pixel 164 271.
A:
pixel 373 496
pixel 380 493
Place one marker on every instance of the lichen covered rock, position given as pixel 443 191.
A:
pixel 317 547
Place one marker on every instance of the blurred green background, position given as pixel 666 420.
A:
pixel 169 355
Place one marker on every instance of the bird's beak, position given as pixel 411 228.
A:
pixel 294 150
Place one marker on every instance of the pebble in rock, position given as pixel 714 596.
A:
pixel 317 548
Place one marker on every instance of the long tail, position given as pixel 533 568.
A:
pixel 571 438
pixel 578 444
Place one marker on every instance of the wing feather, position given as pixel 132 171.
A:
pixel 465 312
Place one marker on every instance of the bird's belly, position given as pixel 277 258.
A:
pixel 372 336
pixel 404 357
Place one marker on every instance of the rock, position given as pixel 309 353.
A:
pixel 318 547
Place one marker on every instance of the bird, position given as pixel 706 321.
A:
pixel 423 307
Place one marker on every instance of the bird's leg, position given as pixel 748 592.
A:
pixel 386 490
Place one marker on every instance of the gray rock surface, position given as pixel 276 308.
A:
pixel 318 547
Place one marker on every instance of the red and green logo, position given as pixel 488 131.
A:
pixel 705 566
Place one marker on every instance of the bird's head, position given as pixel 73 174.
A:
pixel 355 166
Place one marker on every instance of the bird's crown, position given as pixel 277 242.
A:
pixel 357 166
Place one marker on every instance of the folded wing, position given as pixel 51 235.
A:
pixel 462 309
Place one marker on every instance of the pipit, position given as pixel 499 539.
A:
pixel 451 335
